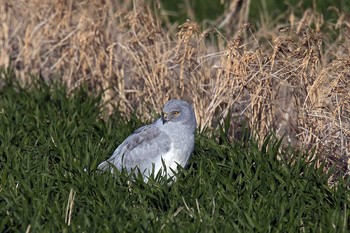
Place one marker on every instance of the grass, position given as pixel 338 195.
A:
pixel 211 10
pixel 48 138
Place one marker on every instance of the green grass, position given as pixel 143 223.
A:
pixel 47 139
pixel 204 10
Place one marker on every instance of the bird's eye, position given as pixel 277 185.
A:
pixel 176 113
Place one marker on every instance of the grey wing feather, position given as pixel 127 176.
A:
pixel 142 148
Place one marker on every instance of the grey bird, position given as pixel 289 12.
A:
pixel 168 141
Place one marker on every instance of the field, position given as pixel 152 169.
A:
pixel 51 145
pixel 271 95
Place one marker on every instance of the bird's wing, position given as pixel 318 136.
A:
pixel 141 149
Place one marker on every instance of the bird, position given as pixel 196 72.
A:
pixel 160 146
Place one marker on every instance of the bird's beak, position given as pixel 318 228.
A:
pixel 164 118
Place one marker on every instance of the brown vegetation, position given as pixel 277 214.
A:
pixel 293 80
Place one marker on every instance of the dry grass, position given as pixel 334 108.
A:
pixel 292 79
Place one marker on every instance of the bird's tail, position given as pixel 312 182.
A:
pixel 103 166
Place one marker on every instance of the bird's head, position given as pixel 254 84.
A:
pixel 178 111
